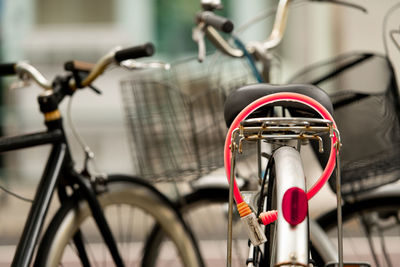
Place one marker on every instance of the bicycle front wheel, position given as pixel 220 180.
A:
pixel 131 208
pixel 206 212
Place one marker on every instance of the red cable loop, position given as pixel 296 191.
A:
pixel 295 97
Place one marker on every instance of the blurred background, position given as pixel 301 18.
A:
pixel 49 32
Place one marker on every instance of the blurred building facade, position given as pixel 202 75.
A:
pixel 50 32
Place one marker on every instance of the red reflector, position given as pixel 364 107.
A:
pixel 294 206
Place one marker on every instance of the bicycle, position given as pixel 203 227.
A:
pixel 182 111
pixel 95 210
pixel 222 22
pixel 378 201
pixel 361 203
pixel 379 216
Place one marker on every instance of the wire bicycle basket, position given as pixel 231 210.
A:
pixel 175 117
pixel 366 103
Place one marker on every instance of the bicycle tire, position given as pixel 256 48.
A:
pixel 383 209
pixel 126 190
pixel 192 206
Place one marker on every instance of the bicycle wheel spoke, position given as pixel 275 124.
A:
pixel 104 253
pixel 129 234
pixel 119 223
pixel 91 252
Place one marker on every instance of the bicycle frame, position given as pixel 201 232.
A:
pixel 45 189
pixel 258 51
pixel 59 166
pixel 59 171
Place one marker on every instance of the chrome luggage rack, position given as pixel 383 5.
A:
pixel 278 131
pixel 282 129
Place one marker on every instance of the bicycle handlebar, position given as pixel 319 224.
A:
pixel 220 43
pixel 278 29
pixel 145 50
pixel 27 71
pixel 275 37
pixel 218 22
pixel 118 56
pixel 78 65
pixel 7 69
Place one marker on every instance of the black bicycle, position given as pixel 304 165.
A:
pixel 102 218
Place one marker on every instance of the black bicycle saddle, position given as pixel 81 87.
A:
pixel 243 96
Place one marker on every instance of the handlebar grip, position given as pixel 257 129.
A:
pixel 7 69
pixel 74 65
pixel 145 50
pixel 218 22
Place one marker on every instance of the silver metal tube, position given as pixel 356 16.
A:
pixel 133 64
pixel 24 68
pixel 279 25
pixel 286 128
pixel 260 48
pixel 221 44
pixel 230 211
pixel 292 242
pixel 259 158
pixel 339 211
pixel 250 256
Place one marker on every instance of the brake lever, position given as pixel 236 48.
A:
pixel 198 37
pixel 19 84
pixel 211 5
pixel 23 81
pixel 132 64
